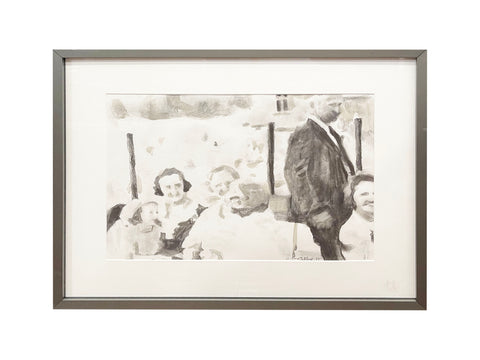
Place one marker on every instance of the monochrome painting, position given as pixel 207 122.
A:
pixel 240 177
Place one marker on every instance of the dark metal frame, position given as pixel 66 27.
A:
pixel 59 211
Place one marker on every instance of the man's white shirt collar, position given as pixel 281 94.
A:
pixel 324 127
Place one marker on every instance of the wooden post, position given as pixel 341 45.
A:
pixel 271 153
pixel 133 175
pixel 358 143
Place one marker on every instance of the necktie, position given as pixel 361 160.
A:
pixel 342 151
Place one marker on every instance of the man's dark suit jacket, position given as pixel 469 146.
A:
pixel 315 171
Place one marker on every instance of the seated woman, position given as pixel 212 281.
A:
pixel 178 212
pixel 247 230
pixel 220 180
pixel 357 234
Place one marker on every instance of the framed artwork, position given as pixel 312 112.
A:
pixel 239 179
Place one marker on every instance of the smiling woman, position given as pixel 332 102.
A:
pixel 178 211
pixel 357 234
pixel 174 184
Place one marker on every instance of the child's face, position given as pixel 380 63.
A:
pixel 220 183
pixel 149 213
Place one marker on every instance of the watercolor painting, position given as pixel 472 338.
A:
pixel 240 177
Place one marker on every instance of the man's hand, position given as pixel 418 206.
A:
pixel 323 220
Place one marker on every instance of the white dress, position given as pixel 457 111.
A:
pixel 357 237
pixel 257 236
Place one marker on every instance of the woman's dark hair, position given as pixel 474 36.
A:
pixel 350 190
pixel 167 172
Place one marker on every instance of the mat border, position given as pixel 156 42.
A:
pixel 59 162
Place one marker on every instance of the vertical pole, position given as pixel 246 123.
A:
pixel 133 175
pixel 271 153
pixel 358 143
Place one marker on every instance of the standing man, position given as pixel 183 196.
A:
pixel 316 171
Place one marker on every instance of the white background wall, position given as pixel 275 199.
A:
pixel 30 328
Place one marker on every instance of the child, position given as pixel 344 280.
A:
pixel 136 232
pixel 147 228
